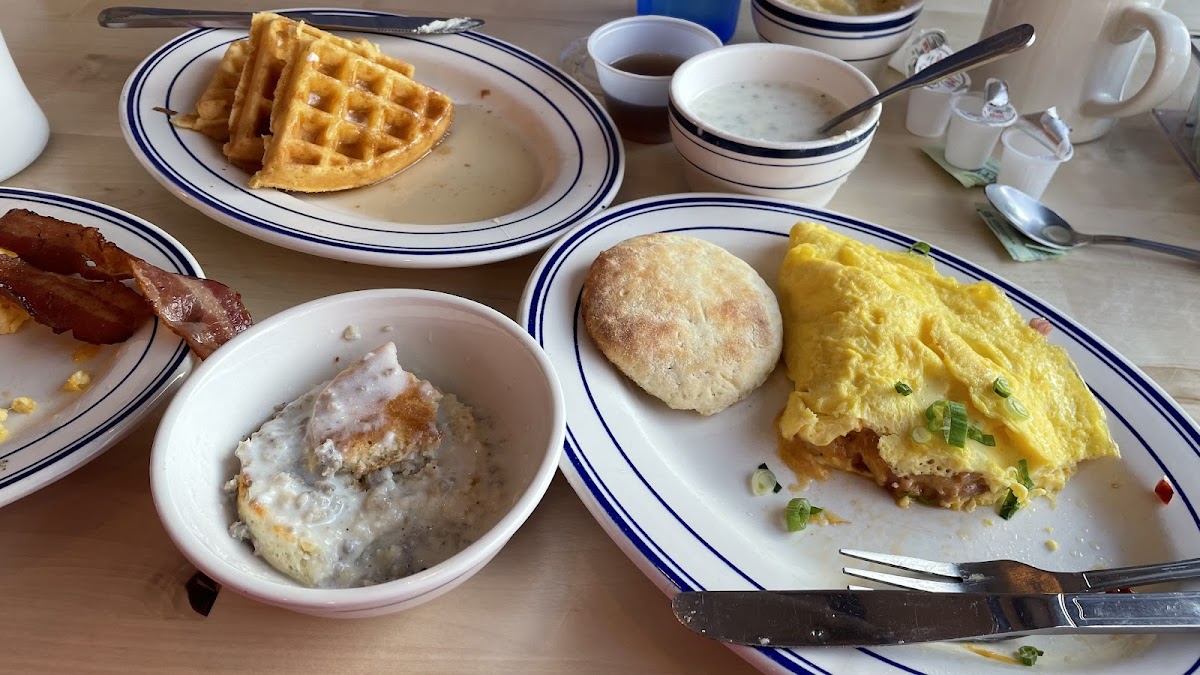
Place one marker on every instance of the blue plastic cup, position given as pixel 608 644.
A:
pixel 719 16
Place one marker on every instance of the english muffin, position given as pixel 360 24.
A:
pixel 688 321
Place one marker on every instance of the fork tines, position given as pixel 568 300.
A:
pixel 931 567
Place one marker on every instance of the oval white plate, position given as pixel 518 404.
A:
pixel 67 430
pixel 514 110
pixel 671 487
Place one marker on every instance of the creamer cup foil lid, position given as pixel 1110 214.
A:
pixel 997 111
pixel 923 49
pixel 951 85
pixel 920 42
pixel 1049 130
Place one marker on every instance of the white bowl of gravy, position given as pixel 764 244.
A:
pixel 744 119
pixel 864 33
pixel 466 350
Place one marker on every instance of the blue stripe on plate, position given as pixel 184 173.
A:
pixel 180 264
pixel 755 151
pixel 904 22
pixel 562 251
pixel 613 156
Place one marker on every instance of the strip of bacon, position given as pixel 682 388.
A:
pixel 54 245
pixel 204 312
pixel 99 312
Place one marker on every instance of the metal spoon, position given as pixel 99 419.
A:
pixel 985 51
pixel 1049 229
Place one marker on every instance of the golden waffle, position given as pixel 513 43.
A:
pixel 211 116
pixel 344 121
pixel 273 40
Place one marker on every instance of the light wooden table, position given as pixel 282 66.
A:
pixel 89 580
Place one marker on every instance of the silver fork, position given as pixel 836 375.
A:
pixel 1010 576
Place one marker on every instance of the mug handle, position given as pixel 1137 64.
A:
pixel 1172 50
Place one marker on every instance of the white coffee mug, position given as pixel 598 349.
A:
pixel 1083 57
pixel 23 126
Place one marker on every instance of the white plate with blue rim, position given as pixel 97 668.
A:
pixel 67 429
pixel 671 487
pixel 530 154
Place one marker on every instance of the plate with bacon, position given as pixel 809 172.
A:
pixel 99 310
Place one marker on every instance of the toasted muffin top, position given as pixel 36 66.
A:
pixel 686 320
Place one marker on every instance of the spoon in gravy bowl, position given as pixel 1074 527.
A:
pixel 985 51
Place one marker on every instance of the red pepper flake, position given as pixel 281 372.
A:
pixel 1040 325
pixel 1164 490
pixel 1123 589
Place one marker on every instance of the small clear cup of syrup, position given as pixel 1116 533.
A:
pixel 635 58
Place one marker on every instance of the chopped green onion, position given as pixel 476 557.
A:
pixel 956 433
pixel 920 247
pixel 1000 386
pixel 1015 408
pixel 814 510
pixel 903 389
pixel 920 434
pixel 778 486
pixel 1023 475
pixel 798 511
pixel 1028 655
pixel 935 415
pixel 975 434
pixel 762 481
pixel 1010 506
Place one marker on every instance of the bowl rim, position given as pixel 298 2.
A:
pixel 912 8
pixel 823 146
pixel 289 594
pixel 650 19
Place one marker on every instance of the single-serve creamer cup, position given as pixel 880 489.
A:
pixel 1026 163
pixel 929 106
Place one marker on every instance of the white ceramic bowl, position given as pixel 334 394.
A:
pixel 461 346
pixel 803 171
pixel 866 42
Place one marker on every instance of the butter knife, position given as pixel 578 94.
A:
pixel 863 618
pixel 327 19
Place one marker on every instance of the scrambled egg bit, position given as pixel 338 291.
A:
pixel 11 314
pixel 936 389
pixel 78 381
pixel 23 405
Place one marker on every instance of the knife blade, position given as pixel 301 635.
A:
pixel 388 24
pixel 863 618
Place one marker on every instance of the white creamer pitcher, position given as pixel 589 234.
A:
pixel 1083 57
pixel 23 126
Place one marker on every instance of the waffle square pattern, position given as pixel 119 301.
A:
pixel 342 120
pixel 308 111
